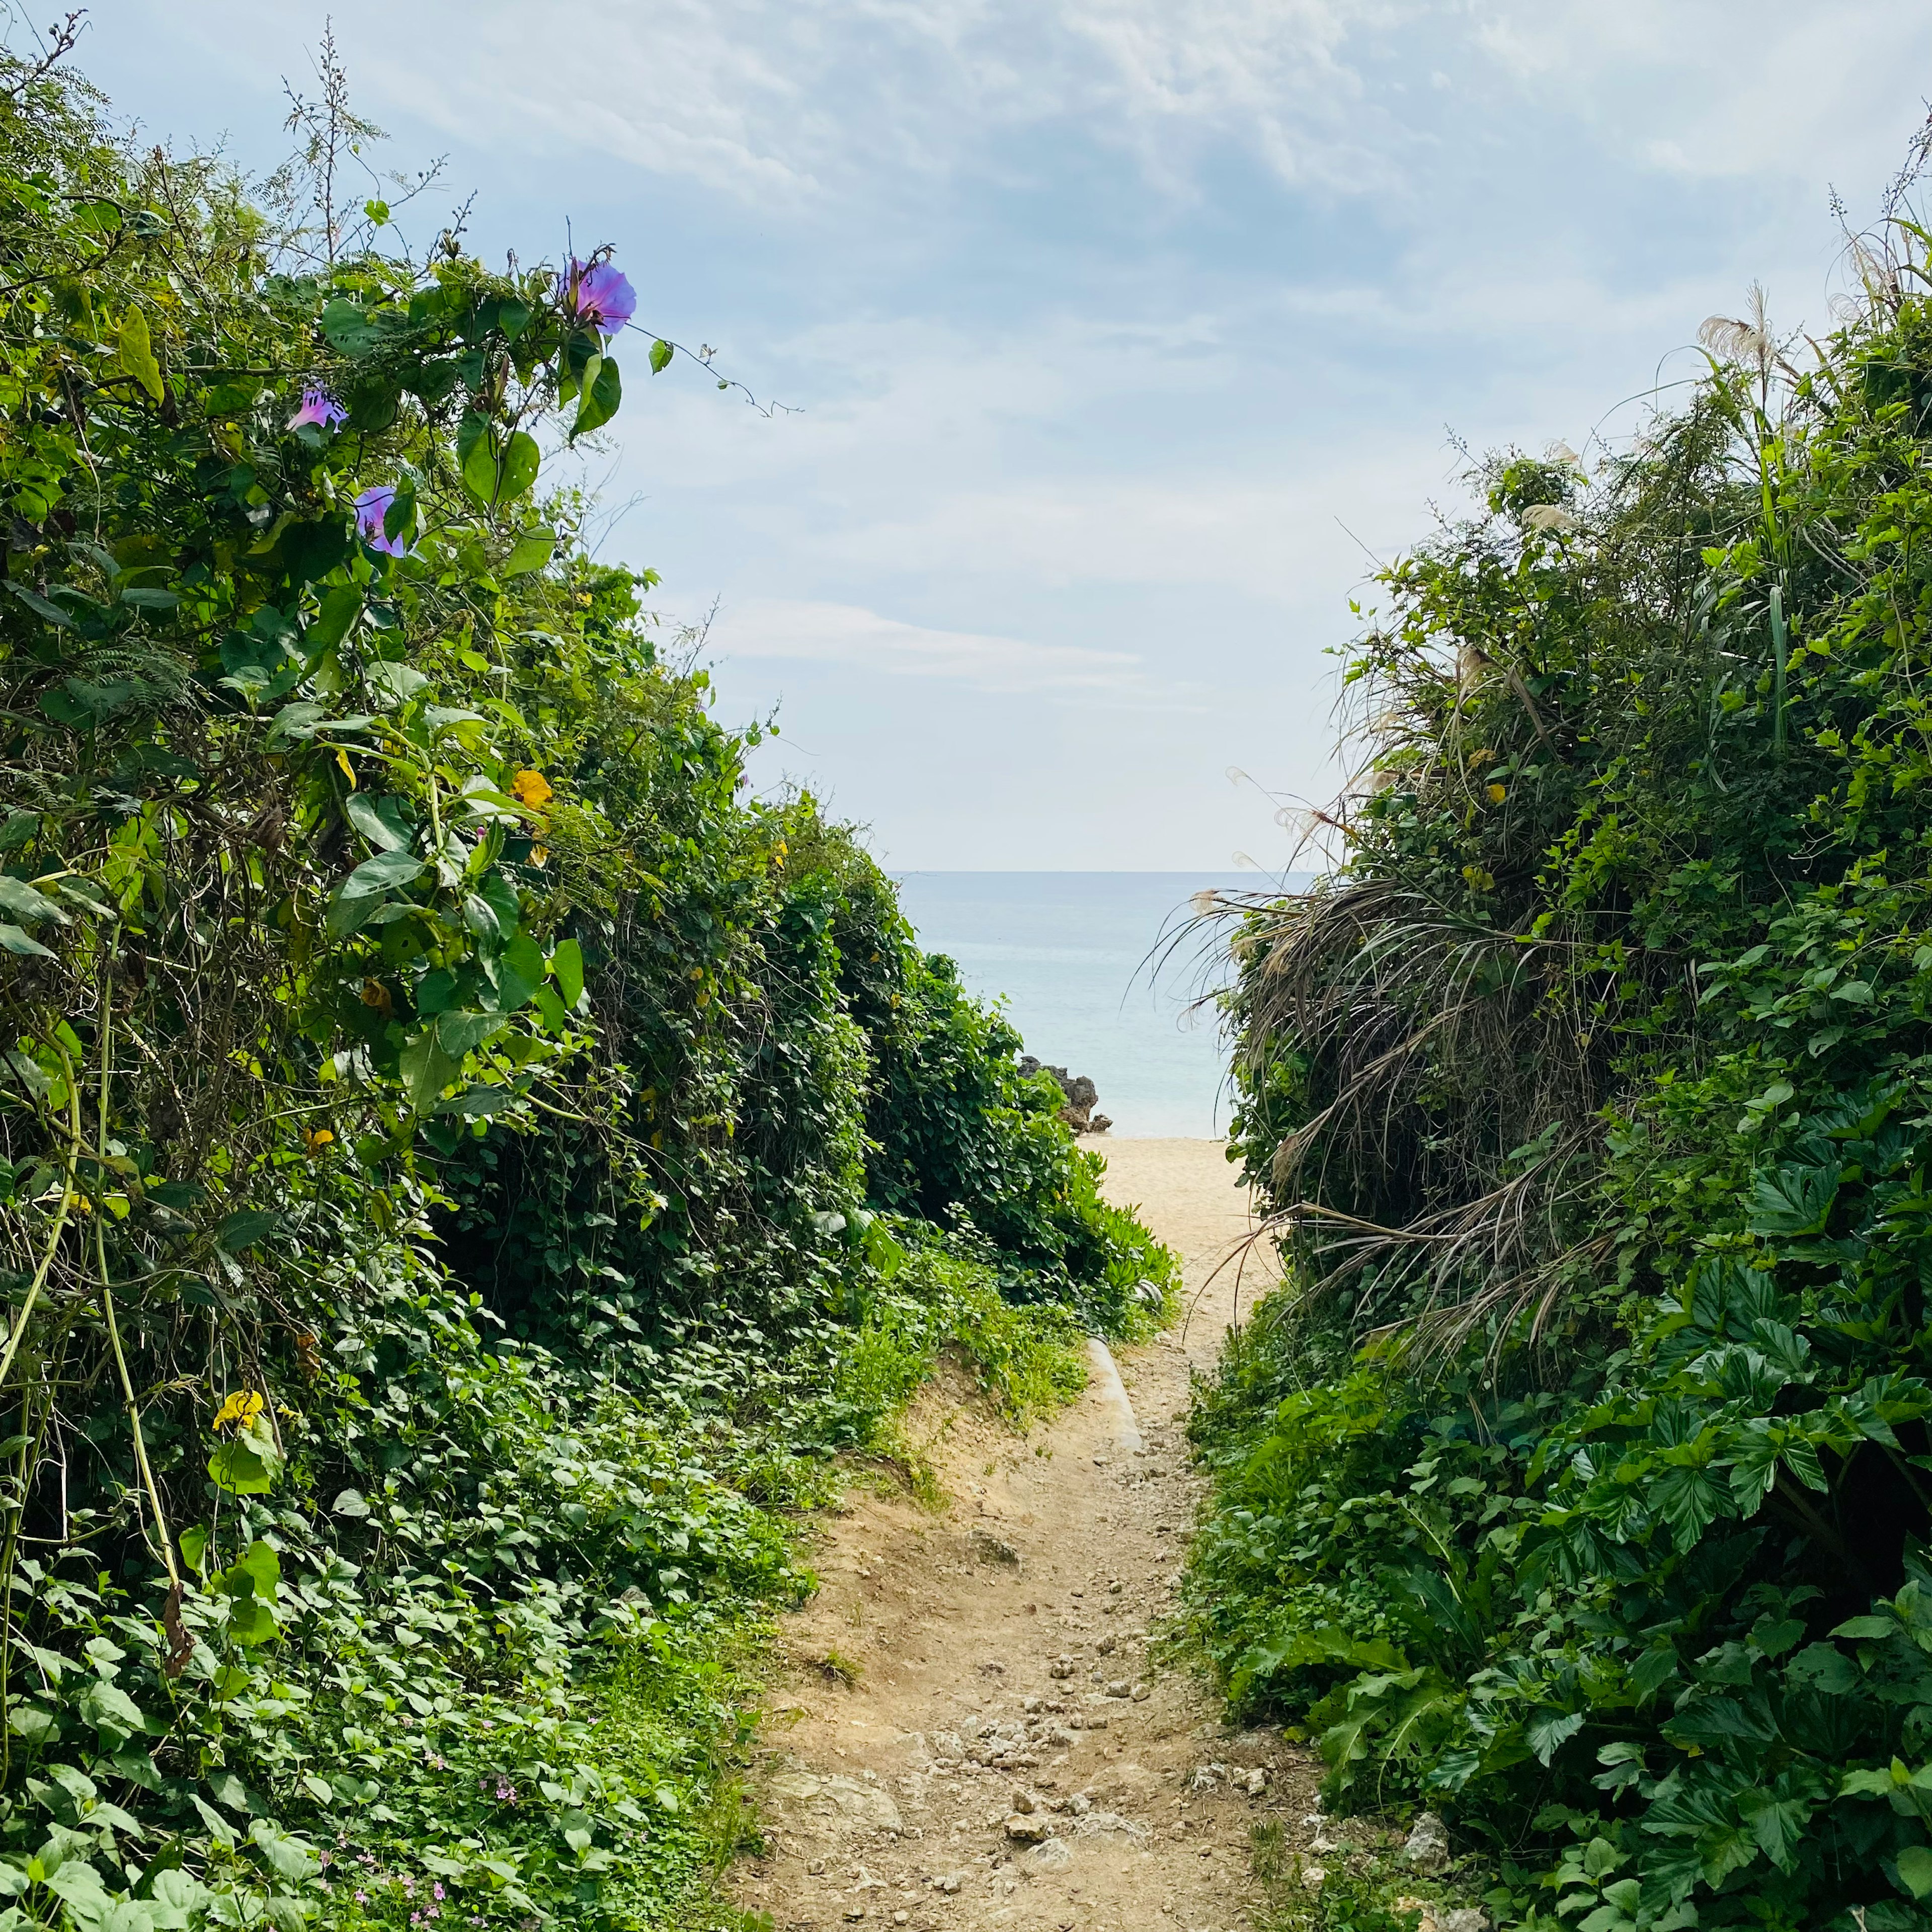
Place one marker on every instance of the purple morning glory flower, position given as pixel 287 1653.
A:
pixel 600 294
pixel 318 407
pixel 371 507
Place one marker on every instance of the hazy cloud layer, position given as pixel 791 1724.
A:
pixel 1123 334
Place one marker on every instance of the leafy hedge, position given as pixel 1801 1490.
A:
pixel 464 1167
pixel 1578 1486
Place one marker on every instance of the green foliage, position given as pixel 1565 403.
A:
pixel 441 1119
pixel 1578 1488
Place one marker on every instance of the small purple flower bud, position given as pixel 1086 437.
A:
pixel 372 507
pixel 318 407
pixel 599 293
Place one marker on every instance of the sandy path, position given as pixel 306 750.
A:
pixel 1004 1756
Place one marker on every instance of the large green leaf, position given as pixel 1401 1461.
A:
pixel 601 398
pixel 521 460
pixel 533 550
pixel 27 904
pixel 135 347
pixel 566 966
pixel 379 820
pixel 1793 1200
pixel 382 874
pixel 13 940
pixel 1548 1730
pixel 243 1467
pixel 427 1069
pixel 481 472
pixel 1914 1870
pixel 243 1229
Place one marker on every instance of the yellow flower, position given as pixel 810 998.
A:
pixel 243 1407
pixel 1498 793
pixel 539 855
pixel 375 994
pixel 314 1139
pixel 532 789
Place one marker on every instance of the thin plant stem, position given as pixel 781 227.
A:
pixel 60 1216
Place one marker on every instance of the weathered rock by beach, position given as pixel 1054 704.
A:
pixel 1427 1849
pixel 1081 1097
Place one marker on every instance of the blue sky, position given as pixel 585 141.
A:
pixel 1121 333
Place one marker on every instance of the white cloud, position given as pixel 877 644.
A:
pixel 846 634
pixel 1105 316
pixel 1786 88
pixel 805 100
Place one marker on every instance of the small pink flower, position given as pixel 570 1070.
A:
pixel 372 507
pixel 319 408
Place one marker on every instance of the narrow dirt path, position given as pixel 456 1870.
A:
pixel 967 1733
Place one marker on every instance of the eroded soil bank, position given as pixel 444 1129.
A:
pixel 967 1732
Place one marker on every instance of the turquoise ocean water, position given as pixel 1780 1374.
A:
pixel 1069 954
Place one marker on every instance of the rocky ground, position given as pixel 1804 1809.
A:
pixel 968 1732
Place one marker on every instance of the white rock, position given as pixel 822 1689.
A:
pixel 1256 1781
pixel 1104 1823
pixel 850 1800
pixel 1466 1918
pixel 1427 1848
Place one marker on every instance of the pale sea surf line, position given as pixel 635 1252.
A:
pixel 1071 956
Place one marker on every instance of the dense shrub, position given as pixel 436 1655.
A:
pixel 1577 1486
pixel 449 1213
